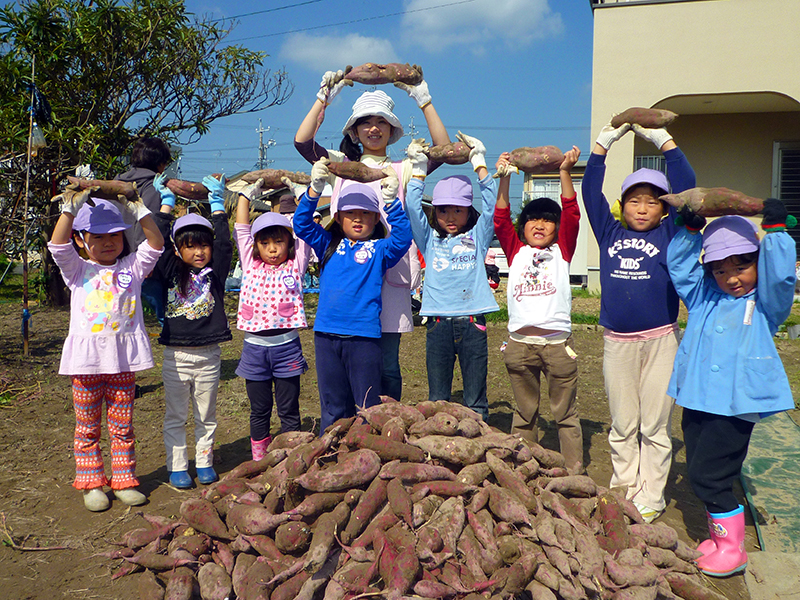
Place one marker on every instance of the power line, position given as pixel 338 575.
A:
pixel 268 10
pixel 329 25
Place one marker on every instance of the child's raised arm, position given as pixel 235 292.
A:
pixel 332 82
pixel 609 135
pixel 565 172
pixel 71 203
pixel 660 138
pixel 243 206
pixel 422 96
pixel 504 170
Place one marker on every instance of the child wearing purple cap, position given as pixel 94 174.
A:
pixel 728 375
pixel 107 341
pixel 639 311
pixel 368 134
pixel 192 270
pixel 270 313
pixel 354 256
pixel 457 295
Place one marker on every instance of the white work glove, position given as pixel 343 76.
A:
pixel 477 152
pixel 331 84
pixel 320 175
pixel 133 208
pixel 84 172
pixel 609 135
pixel 419 160
pixel 418 92
pixel 72 200
pixel 296 188
pixel 390 185
pixel 504 167
pixel 658 137
pixel 167 195
pixel 253 190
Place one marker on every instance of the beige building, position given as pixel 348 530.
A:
pixel 729 68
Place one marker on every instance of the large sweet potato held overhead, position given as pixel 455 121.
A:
pixel 105 188
pixel 455 153
pixel 356 171
pixel 272 177
pixel 373 74
pixel 652 118
pixel 187 189
pixel 542 159
pixel 715 202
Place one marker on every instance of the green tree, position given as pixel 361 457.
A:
pixel 112 72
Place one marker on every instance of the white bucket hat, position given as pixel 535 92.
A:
pixel 374 104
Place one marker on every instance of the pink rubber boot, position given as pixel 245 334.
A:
pixel 708 546
pixel 259 448
pixel 728 535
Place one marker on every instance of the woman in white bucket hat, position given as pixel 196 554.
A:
pixel 370 129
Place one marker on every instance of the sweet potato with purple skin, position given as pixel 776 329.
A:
pixel 293 537
pixel 374 74
pixel 581 486
pixel 454 153
pixel 158 562
pixel 316 504
pixel 439 424
pixel 202 515
pixel 398 563
pixel 386 449
pixel 538 160
pixel 215 583
pixel 657 535
pixel 715 202
pixel 652 118
pixel 394 429
pixel 507 507
pixel 150 588
pixel 474 474
pixel 290 439
pixel 462 451
pixel 400 501
pixel 108 189
pixel 251 468
pixel 369 504
pixel 445 488
pixel 188 189
pixel 378 415
pixel 272 181
pixel 510 480
pixel 324 536
pixel 181 585
pixel 689 588
pixel 253 520
pixel 356 469
pixel 355 171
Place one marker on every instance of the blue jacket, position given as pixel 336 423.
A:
pixel 637 293
pixel 725 365
pixel 351 280
pixel 455 276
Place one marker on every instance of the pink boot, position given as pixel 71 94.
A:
pixel 259 448
pixel 708 546
pixel 728 535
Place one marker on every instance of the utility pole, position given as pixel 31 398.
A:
pixel 263 163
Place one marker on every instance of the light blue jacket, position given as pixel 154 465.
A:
pixel 455 274
pixel 727 363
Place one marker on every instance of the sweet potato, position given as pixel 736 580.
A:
pixel 292 537
pixel 581 486
pixel 370 503
pixel 454 153
pixel 195 545
pixel 253 520
pixel 652 118
pixel 181 585
pixel 666 559
pixel 461 451
pixel 636 592
pixel 433 589
pixel 302 457
pixel 387 449
pixel 615 529
pixel 290 439
pixel 449 521
pixel 355 171
pixel 410 473
pixel 158 562
pixel 254 581
pixel 715 202
pixel 507 507
pixel 474 474
pixel 272 180
pixel 318 579
pixel 507 478
pixel 625 575
pixel 538 591
pixel 105 188
pixel 394 429
pixel 138 538
pixel 150 587
pixel 425 508
pixel 188 189
pixel 323 538
pixel 538 160
pixel 356 469
pixel 400 501
pixel 374 74
pixel 215 583
pixel 398 563
pixel 658 535
pixel 378 415
pixel 264 545
pixel 251 468
pixel 316 504
pixel 520 574
pixel 688 587
pixel 468 428
pixel 439 424
pixel 444 488
pixel 202 515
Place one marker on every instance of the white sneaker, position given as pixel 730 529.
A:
pixel 130 496
pixel 95 499
pixel 648 514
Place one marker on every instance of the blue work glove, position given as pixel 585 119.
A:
pixel 216 192
pixel 167 195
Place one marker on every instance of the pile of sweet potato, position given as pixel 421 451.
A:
pixel 408 502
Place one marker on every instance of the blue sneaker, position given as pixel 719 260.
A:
pixel 180 480
pixel 206 475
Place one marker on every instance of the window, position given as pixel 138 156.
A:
pixel 656 162
pixel 786 179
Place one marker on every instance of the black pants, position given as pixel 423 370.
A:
pixel 287 404
pixel 716 447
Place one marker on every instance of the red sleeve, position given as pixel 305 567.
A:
pixel 505 232
pixel 568 229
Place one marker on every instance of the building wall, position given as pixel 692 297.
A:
pixel 729 67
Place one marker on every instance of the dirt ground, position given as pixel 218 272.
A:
pixel 44 514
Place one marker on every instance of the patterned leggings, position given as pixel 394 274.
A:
pixel 88 393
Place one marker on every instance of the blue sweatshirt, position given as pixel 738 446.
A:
pixel 351 280
pixel 727 363
pixel 637 294
pixel 455 276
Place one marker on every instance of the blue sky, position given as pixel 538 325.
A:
pixel 509 72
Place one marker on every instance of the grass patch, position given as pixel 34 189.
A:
pixel 584 319
pixel 578 292
pixel 500 316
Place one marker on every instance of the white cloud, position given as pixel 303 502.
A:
pixel 325 52
pixel 472 25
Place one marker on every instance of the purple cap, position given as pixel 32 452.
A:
pixel 189 220
pixel 357 196
pixel 646 176
pixel 268 220
pixel 729 236
pixel 455 190
pixel 103 217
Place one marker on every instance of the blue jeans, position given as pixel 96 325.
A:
pixel 152 295
pixel 465 337
pixel 392 379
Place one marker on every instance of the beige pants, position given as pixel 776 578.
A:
pixel 636 376
pixel 525 363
